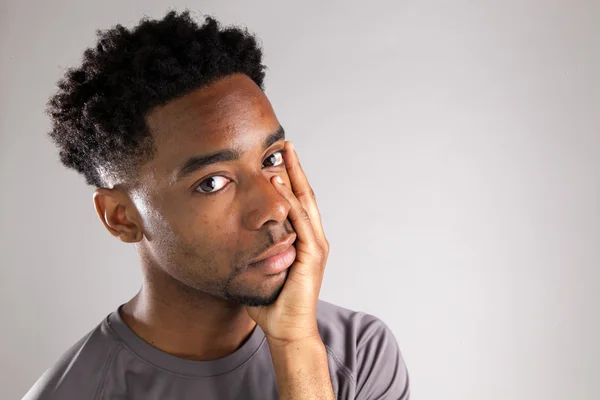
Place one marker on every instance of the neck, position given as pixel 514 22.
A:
pixel 192 326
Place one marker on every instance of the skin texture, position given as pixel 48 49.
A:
pixel 290 323
pixel 199 300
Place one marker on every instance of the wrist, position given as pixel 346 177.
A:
pixel 301 369
pixel 308 341
pixel 311 344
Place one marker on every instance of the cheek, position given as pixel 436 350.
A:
pixel 223 241
pixel 198 231
pixel 205 237
pixel 156 216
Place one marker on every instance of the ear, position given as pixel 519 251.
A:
pixel 118 214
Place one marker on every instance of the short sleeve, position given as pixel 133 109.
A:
pixel 381 371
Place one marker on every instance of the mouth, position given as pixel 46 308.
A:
pixel 276 249
pixel 278 257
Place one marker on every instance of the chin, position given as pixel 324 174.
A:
pixel 263 295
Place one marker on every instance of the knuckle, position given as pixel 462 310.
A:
pixel 310 192
pixel 323 252
pixel 303 215
pixel 319 251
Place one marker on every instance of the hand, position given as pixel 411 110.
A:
pixel 293 316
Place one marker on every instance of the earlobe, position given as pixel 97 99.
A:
pixel 111 209
pixel 131 237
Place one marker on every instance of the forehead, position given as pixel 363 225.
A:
pixel 232 112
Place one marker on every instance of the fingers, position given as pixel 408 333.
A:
pixel 303 191
pixel 299 217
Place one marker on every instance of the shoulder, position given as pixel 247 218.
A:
pixel 366 348
pixel 79 370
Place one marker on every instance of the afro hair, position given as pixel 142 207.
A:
pixel 98 112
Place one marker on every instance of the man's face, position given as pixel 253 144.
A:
pixel 202 232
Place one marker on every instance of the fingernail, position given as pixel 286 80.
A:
pixel 292 146
pixel 278 179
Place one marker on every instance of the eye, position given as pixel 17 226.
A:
pixel 270 158
pixel 212 182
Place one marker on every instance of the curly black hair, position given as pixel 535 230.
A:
pixel 98 112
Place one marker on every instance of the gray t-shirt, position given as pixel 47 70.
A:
pixel 112 362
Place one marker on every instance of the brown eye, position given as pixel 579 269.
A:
pixel 208 185
pixel 274 157
pixel 211 185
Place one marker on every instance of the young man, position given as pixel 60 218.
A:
pixel 170 124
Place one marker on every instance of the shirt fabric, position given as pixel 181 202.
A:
pixel 113 362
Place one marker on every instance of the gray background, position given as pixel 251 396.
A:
pixel 454 150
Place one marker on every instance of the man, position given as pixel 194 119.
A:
pixel 170 123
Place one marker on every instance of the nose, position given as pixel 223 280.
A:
pixel 264 203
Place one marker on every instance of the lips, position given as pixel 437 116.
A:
pixel 278 248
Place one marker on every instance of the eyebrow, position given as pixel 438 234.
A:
pixel 197 163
